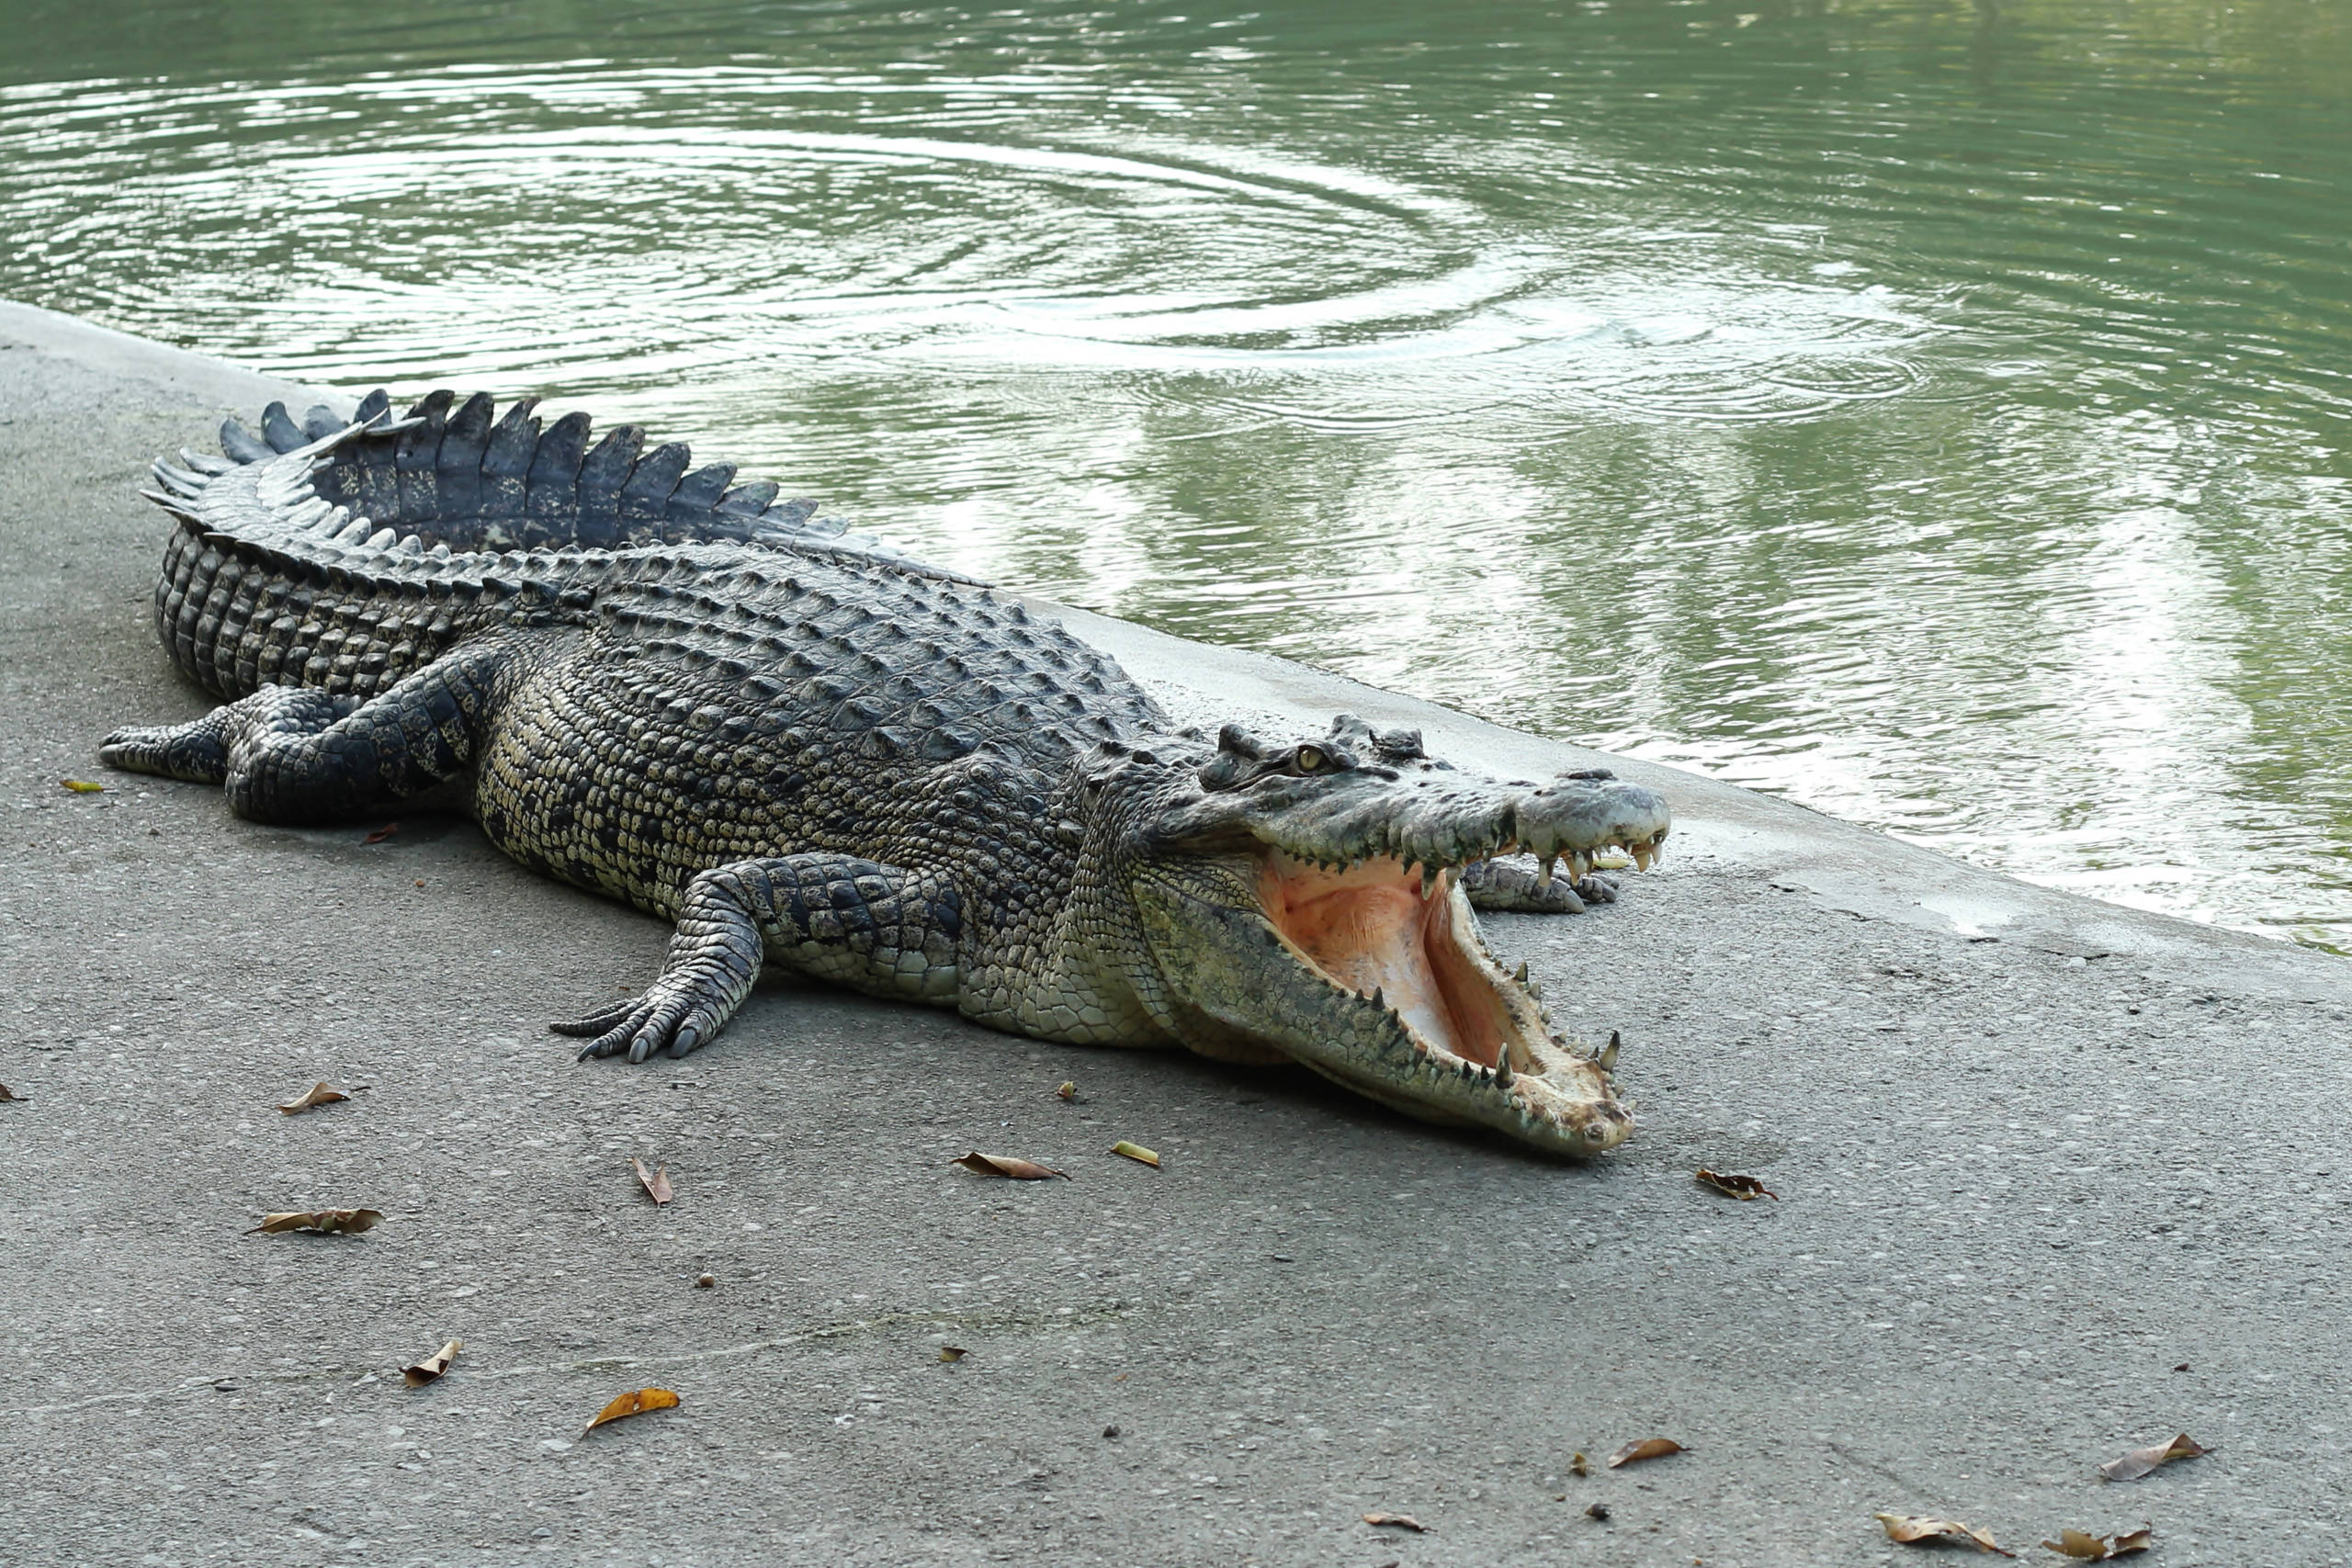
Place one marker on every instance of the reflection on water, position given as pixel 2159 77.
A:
pixel 1933 411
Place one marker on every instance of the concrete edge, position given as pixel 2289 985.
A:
pixel 1790 847
pixel 121 354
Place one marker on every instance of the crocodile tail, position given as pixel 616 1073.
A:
pixel 463 475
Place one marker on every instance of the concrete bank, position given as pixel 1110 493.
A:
pixel 2056 1179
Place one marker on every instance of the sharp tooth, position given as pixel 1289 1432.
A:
pixel 1522 974
pixel 1581 864
pixel 1430 877
pixel 1607 1060
pixel 1378 1002
pixel 1502 1070
pixel 1543 876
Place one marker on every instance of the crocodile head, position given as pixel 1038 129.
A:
pixel 1301 898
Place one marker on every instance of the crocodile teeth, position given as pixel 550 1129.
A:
pixel 1607 1060
pixel 1430 877
pixel 1502 1071
pixel 1520 976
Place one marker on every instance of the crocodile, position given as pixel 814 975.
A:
pixel 814 752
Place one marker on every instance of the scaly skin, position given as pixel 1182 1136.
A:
pixel 809 751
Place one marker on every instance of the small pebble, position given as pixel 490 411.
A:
pixel 705 1281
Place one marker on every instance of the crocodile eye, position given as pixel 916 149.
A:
pixel 1311 758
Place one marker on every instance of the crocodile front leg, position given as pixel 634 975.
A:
pixel 292 755
pixel 1499 885
pixel 872 928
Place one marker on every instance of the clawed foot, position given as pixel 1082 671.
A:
pixel 714 957
pixel 664 1018
pixel 1505 885
pixel 198 752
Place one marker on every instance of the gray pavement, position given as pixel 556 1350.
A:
pixel 2056 1179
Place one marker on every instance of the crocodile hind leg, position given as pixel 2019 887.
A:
pixel 832 917
pixel 290 755
pixel 1499 884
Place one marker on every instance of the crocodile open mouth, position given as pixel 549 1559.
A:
pixel 1381 930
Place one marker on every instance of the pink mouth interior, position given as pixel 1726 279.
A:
pixel 1368 927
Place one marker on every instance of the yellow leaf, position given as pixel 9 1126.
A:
pixel 82 786
pixel 952 1353
pixel 1068 1089
pixel 1402 1521
pixel 1135 1152
pixel 432 1366
pixel 2076 1544
pixel 1648 1448
pixel 637 1402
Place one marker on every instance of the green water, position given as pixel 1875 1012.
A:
pixel 1936 413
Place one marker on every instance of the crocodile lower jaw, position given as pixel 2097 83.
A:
pixel 1480 1051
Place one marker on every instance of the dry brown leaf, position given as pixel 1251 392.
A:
pixel 319 1095
pixel 1007 1166
pixel 380 834
pixel 2140 1461
pixel 7 1093
pixel 1402 1521
pixel 1580 1465
pixel 1744 1188
pixel 951 1353
pixel 432 1366
pixel 655 1182
pixel 2076 1544
pixel 1136 1152
pixel 1911 1530
pixel 636 1401
pixel 1648 1448
pixel 2085 1548
pixel 1068 1090
pixel 346 1222
pixel 83 786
